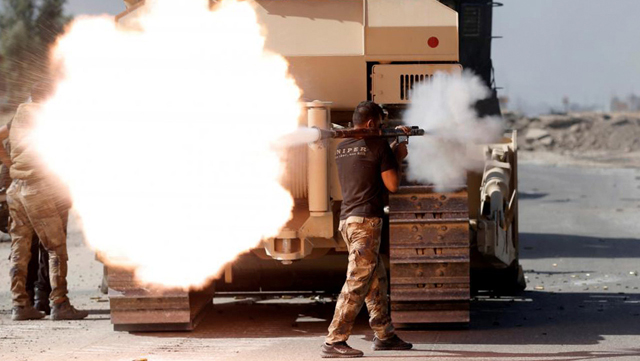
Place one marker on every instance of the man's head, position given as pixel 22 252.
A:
pixel 368 115
pixel 40 91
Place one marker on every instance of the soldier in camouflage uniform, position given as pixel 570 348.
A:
pixel 38 203
pixel 367 168
pixel 38 285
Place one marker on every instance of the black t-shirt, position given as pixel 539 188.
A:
pixel 360 164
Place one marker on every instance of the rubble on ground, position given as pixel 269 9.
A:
pixel 577 132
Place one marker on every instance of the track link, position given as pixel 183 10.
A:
pixel 429 255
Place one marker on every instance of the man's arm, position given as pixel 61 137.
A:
pixel 391 180
pixel 4 156
pixel 391 177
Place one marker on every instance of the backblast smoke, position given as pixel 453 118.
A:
pixel 444 107
pixel 134 130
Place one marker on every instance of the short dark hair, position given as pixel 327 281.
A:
pixel 40 91
pixel 366 111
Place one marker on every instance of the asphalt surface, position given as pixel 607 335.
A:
pixel 579 248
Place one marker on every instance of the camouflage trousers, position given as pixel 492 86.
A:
pixel 34 209
pixel 366 281
pixel 38 285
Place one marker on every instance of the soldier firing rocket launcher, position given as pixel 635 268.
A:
pixel 399 134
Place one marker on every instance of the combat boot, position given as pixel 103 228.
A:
pixel 42 306
pixel 64 311
pixel 392 343
pixel 339 350
pixel 22 313
pixel 41 302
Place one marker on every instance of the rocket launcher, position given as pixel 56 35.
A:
pixel 399 134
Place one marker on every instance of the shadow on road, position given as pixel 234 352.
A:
pixel 553 318
pixel 537 245
pixel 562 356
pixel 534 195
pixel 532 318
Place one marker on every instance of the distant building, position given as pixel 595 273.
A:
pixel 634 102
pixel 504 102
pixel 630 104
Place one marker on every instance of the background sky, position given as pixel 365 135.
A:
pixel 112 7
pixel 587 50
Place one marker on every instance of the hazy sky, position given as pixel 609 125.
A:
pixel 587 50
pixel 95 6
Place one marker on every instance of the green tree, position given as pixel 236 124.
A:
pixel 50 22
pixel 28 28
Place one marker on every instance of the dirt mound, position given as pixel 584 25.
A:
pixel 577 132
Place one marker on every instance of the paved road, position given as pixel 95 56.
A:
pixel 579 249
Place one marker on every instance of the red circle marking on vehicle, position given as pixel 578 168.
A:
pixel 433 42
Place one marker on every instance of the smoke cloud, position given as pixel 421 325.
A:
pixel 164 132
pixel 300 136
pixel 444 106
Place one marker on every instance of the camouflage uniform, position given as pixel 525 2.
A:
pixel 38 204
pixel 366 281
pixel 34 208
pixel 38 285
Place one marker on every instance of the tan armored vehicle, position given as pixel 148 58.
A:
pixel 342 52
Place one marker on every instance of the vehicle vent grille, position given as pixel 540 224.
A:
pixel 407 82
pixel 471 17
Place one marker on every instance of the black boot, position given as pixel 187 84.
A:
pixel 339 350
pixel 392 343
pixel 41 302
pixel 42 306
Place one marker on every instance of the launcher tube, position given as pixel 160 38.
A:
pixel 369 133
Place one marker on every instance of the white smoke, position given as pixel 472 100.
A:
pixel 444 106
pixel 164 133
pixel 300 136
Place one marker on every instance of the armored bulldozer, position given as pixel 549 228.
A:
pixel 440 245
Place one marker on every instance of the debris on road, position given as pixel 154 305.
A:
pixel 577 132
